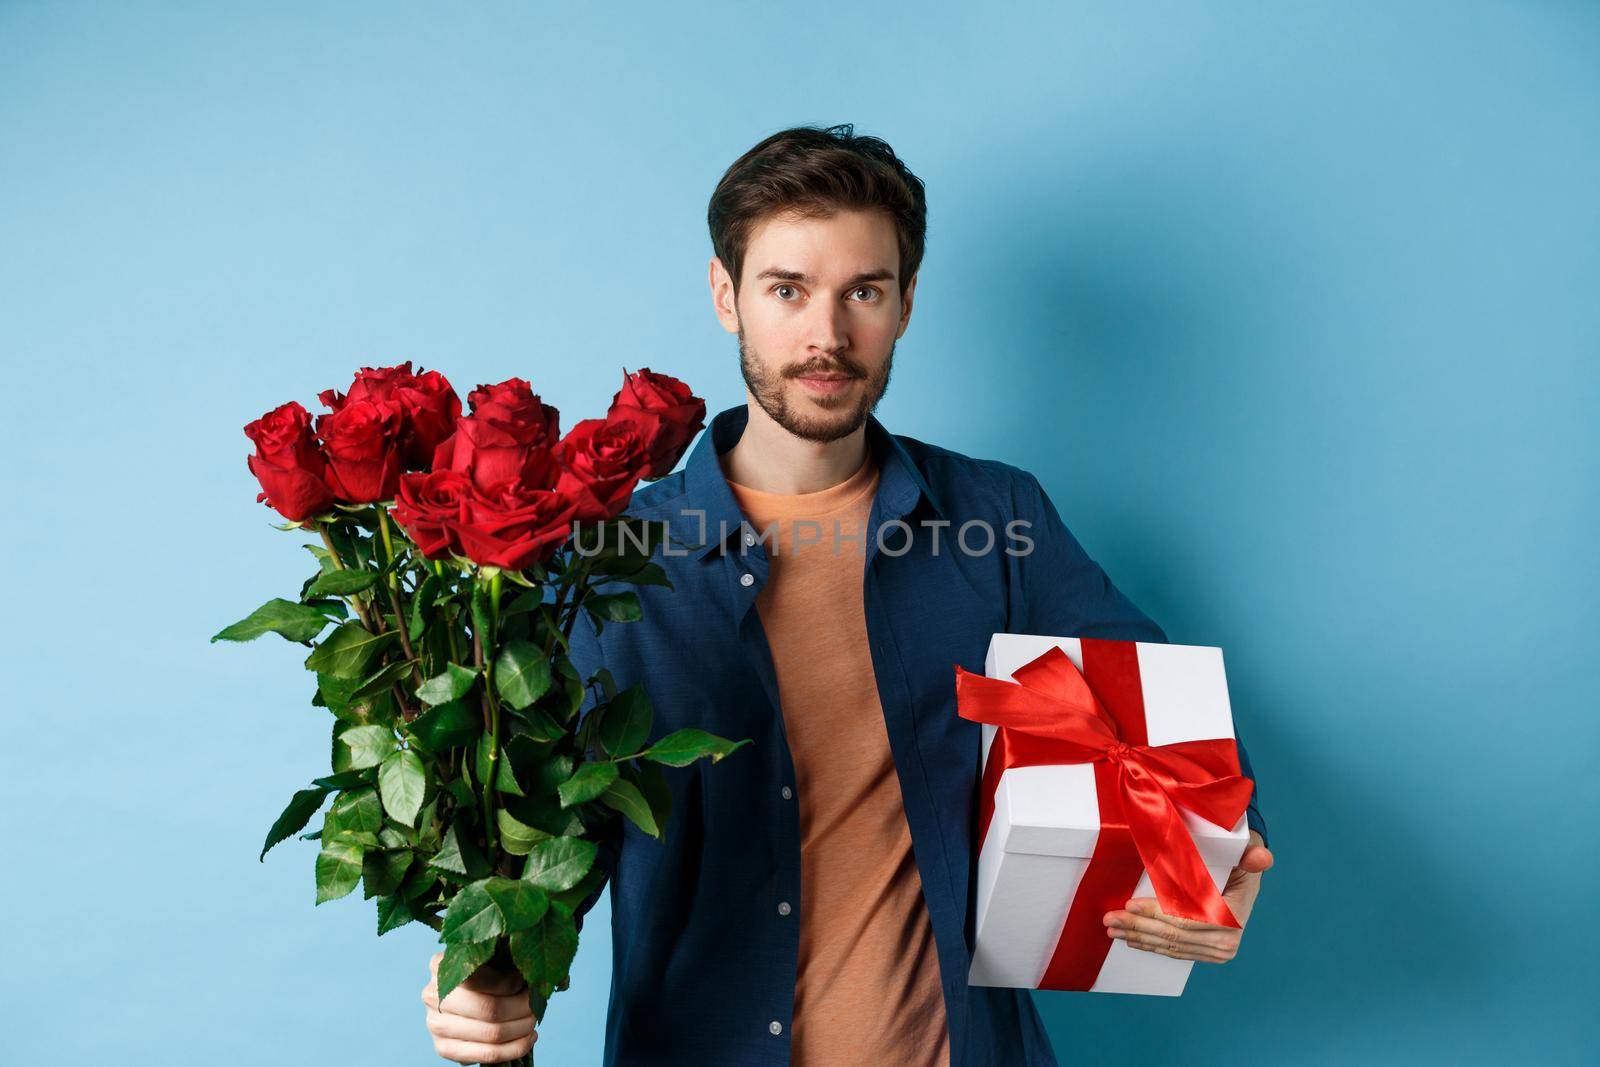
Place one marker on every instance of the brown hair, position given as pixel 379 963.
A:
pixel 815 172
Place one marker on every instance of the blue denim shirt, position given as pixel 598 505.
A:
pixel 703 967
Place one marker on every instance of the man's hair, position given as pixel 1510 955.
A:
pixel 814 172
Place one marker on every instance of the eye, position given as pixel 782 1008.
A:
pixel 779 286
pixel 866 289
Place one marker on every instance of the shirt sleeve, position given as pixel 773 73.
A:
pixel 1064 592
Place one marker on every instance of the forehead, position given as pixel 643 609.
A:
pixel 842 245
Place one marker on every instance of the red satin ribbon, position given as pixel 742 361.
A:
pixel 1050 714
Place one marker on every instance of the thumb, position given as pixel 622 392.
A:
pixel 1256 858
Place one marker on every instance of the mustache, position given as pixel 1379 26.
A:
pixel 836 369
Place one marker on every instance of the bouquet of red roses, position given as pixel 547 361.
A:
pixel 455 554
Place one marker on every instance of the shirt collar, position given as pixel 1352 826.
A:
pixel 901 484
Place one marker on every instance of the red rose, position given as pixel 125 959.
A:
pixel 371 383
pixel 601 462
pixel 362 442
pixel 431 407
pixel 428 405
pixel 507 438
pixel 514 526
pixel 429 508
pixel 664 411
pixel 287 463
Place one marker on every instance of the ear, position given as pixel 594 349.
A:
pixel 905 304
pixel 724 301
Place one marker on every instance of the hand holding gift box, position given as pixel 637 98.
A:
pixel 1110 770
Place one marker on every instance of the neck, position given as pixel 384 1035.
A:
pixel 770 459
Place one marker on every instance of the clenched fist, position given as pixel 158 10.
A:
pixel 485 1019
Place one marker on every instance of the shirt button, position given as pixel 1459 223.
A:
pixel 783 907
pixel 775 1026
pixel 787 792
pixel 749 538
pixel 747 579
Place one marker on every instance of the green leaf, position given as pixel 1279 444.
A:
pixel 558 863
pixel 492 907
pixel 460 961
pixel 537 725
pixel 335 608
pixel 297 622
pixel 324 557
pixel 348 651
pixel 625 722
pixel 446 726
pixel 682 747
pixel 587 782
pixel 420 602
pixel 303 805
pixel 345 780
pixel 576 895
pixel 419 882
pixel 393 913
pixel 367 746
pixel 382 871
pixel 355 811
pixel 338 870
pixel 649 574
pixel 625 797
pixel 385 677
pixel 504 780
pixel 459 856
pixel 341 583
pixel 517 837
pixel 545 953
pixel 652 782
pixel 615 607
pixel 453 684
pixel 521 673
pixel 402 781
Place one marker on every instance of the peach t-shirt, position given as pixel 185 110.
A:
pixel 868 989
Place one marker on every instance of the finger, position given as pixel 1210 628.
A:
pixel 1151 909
pixel 476 1005
pixel 477 1052
pixel 461 1028
pixel 1165 947
pixel 495 982
pixel 1211 938
pixel 1256 859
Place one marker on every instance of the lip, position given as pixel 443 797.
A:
pixel 827 385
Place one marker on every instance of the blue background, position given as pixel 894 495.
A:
pixel 1292 308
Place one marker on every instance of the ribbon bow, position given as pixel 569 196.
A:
pixel 1050 715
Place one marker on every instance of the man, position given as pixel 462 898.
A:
pixel 811 900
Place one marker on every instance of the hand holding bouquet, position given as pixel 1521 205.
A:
pixel 468 793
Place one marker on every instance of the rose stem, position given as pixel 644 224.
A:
pixel 393 585
pixel 494 706
pixel 354 599
pixel 488 724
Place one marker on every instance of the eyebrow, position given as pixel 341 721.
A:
pixel 879 275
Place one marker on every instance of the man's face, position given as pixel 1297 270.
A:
pixel 818 313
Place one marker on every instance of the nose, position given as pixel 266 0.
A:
pixel 827 330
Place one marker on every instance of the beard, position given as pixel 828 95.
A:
pixel 840 418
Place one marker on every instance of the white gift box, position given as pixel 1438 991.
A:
pixel 1046 821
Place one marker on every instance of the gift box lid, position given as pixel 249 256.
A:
pixel 1054 810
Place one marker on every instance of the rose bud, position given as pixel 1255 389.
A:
pixel 601 462
pixel 665 413
pixel 288 464
pixel 507 438
pixel 362 443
